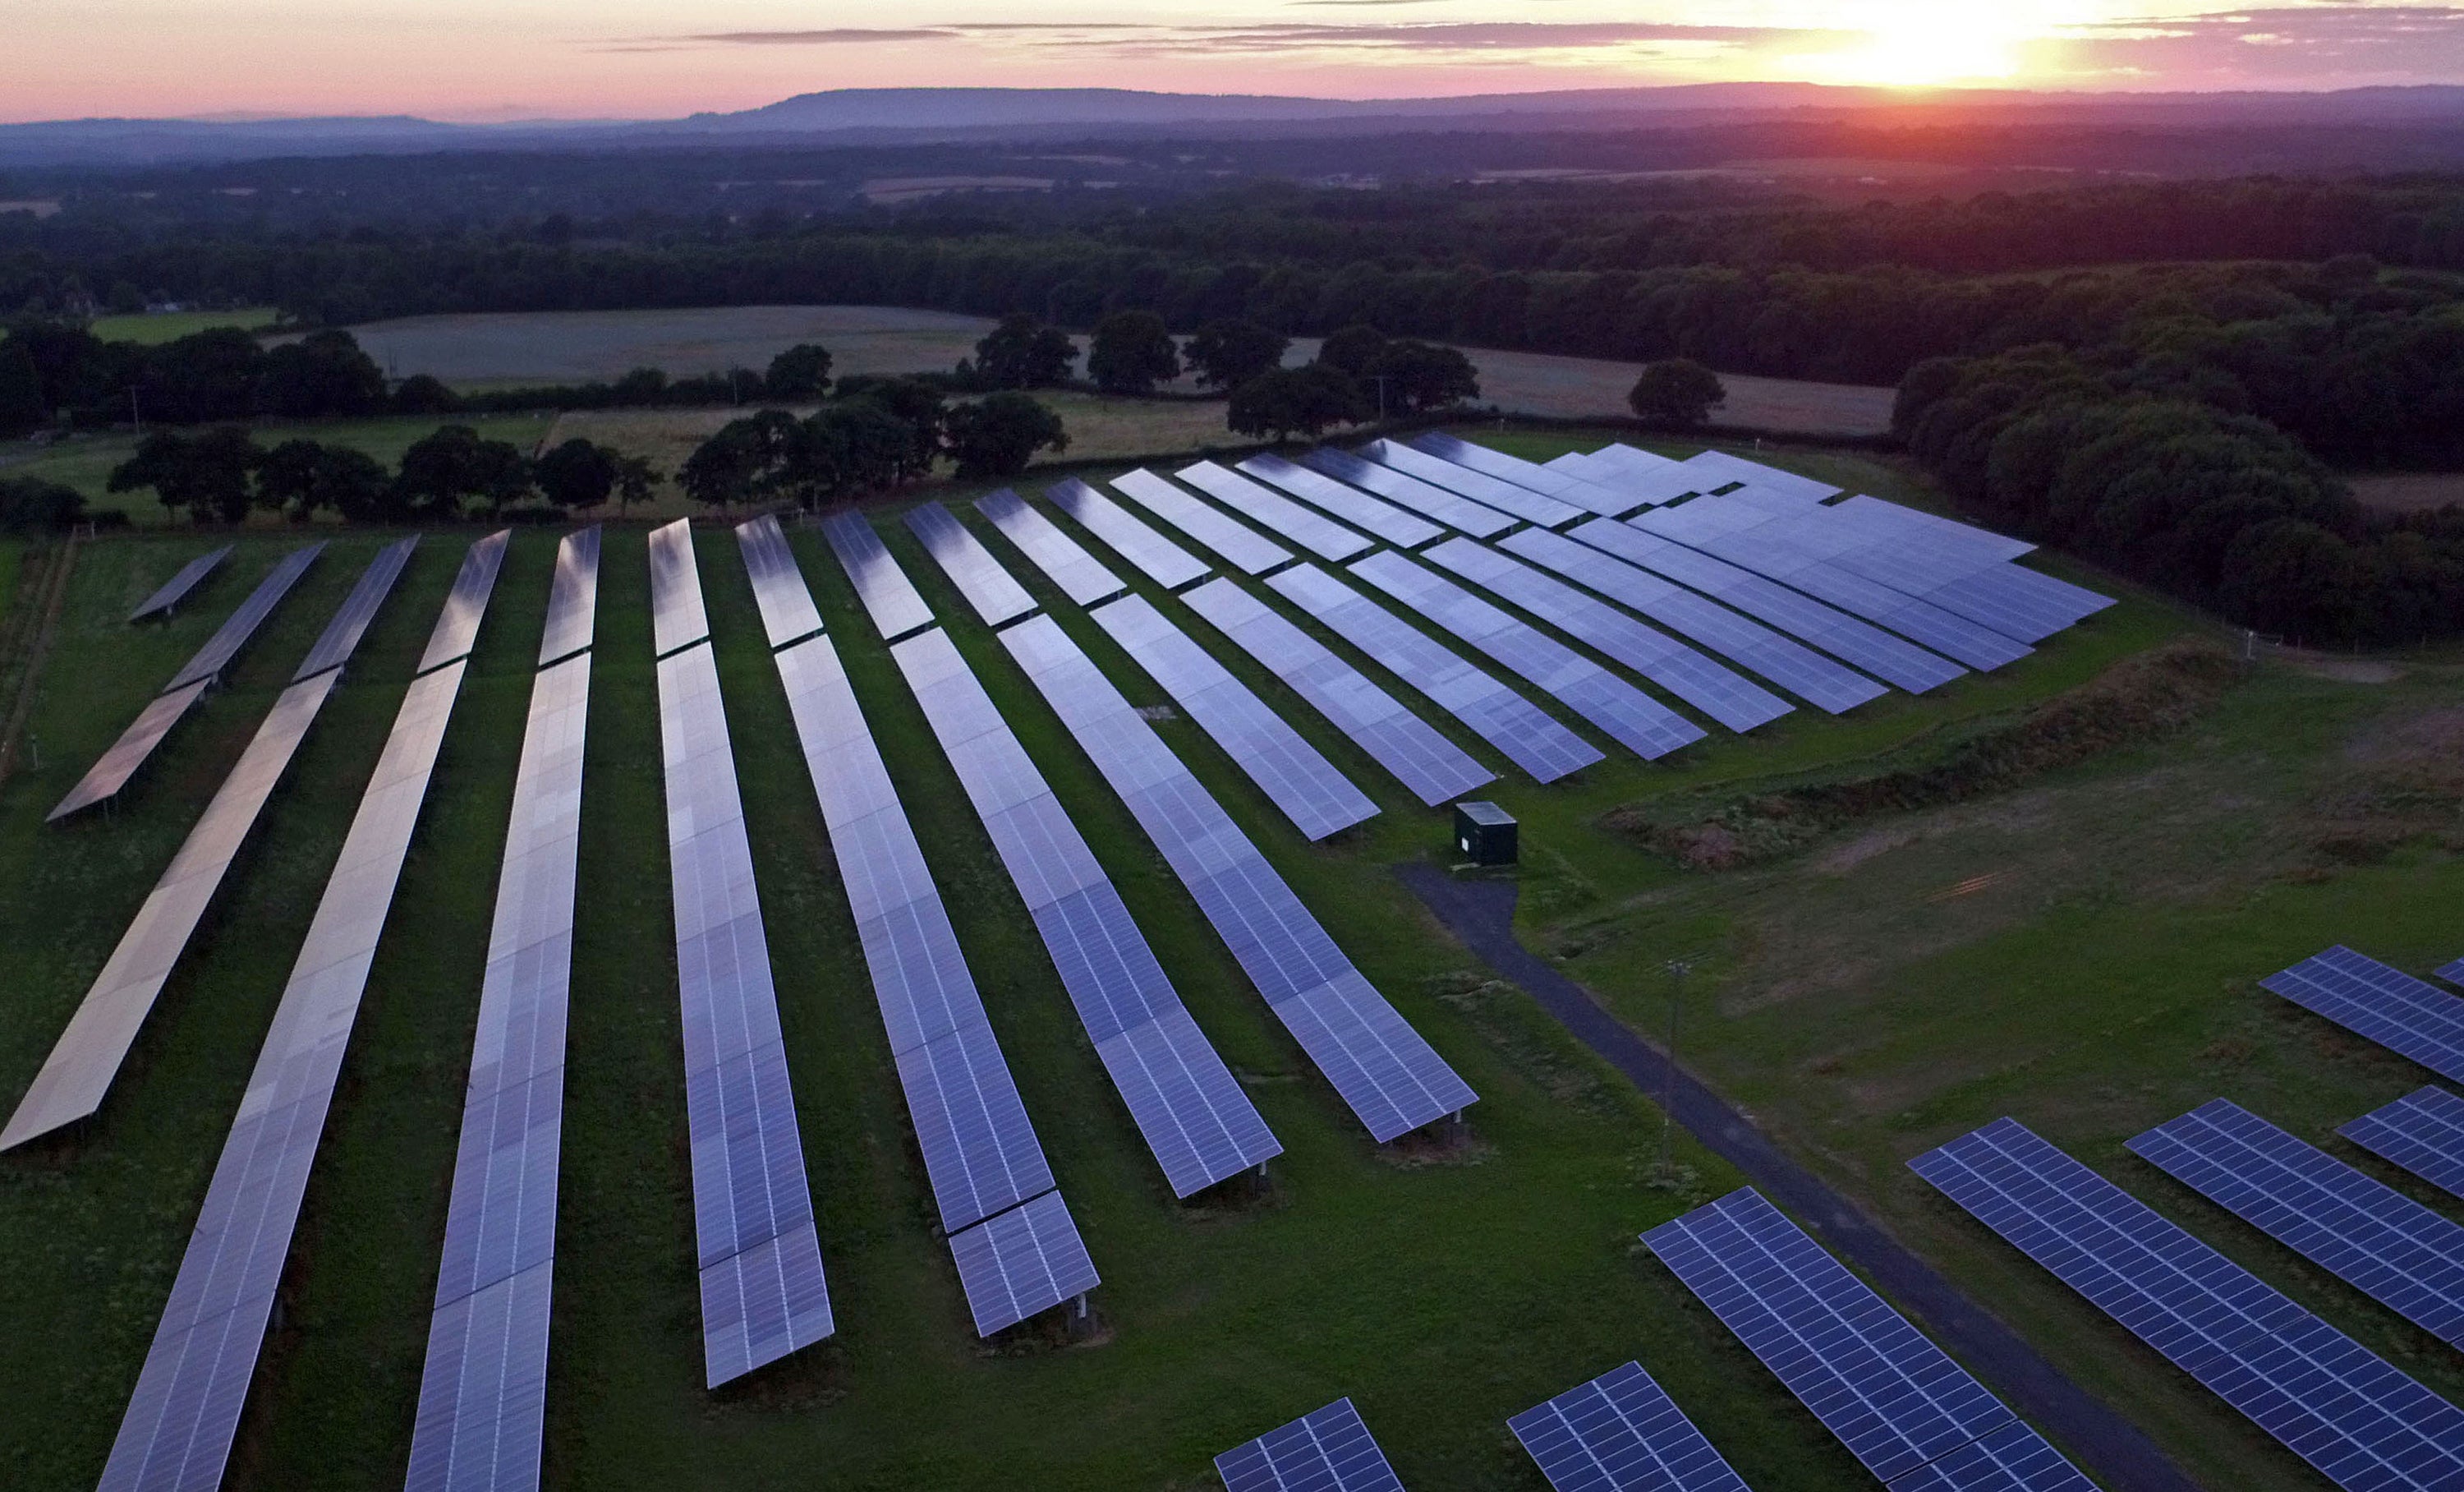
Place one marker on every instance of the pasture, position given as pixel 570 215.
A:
pixel 154 328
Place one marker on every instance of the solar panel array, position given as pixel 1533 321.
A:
pixel 483 1389
pixel 241 625
pixel 2013 1458
pixel 1737 702
pixel 1633 719
pixel 1390 1078
pixel 2364 1231
pixel 1727 470
pixel 1025 1261
pixel 1480 487
pixel 176 589
pixel 678 618
pixel 1161 560
pixel 1293 774
pixel 350 622
pixel 1404 530
pixel 1565 486
pixel 779 589
pixel 1327 541
pixel 1417 753
pixel 1621 1433
pixel 1065 561
pixel 1803 672
pixel 981 1152
pixel 2423 1133
pixel 1638 474
pixel 988 587
pixel 1187 1106
pixel 572 597
pixel 2328 1399
pixel 1894 1399
pixel 1242 547
pixel 1435 504
pixel 1529 737
pixel 888 595
pixel 475 580
pixel 2398 1012
pixel 1327 1449
pixel 177 1432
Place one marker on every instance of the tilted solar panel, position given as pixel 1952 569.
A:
pixel 888 595
pixel 2423 1133
pixel 241 625
pixel 1433 502
pixel 1487 491
pixel 1161 560
pixel 678 618
pixel 1728 469
pixel 989 588
pixel 1392 524
pixel 120 762
pixel 1064 560
pixel 1026 1260
pixel 2329 1400
pixel 2364 1231
pixel 475 580
pixel 1986 546
pixel 1565 486
pixel 572 597
pixel 1235 544
pixel 2013 1458
pixel 1654 480
pixel 1327 1449
pixel 1325 538
pixel 350 621
pixel 176 589
pixel 779 589
pixel 1621 1433
pixel 2404 1014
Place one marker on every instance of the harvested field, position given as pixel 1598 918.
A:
pixel 1534 383
pixel 2408 492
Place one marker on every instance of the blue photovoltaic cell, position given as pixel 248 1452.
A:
pixel 2423 1133
pixel 1293 774
pixel 572 597
pixel 1563 485
pixel 1243 548
pixel 989 588
pixel 1894 1399
pixel 2361 1423
pixel 1327 540
pixel 1392 524
pixel 1487 491
pixel 2388 1006
pixel 341 635
pixel 678 618
pixel 1435 504
pixel 779 589
pixel 176 589
pixel 1064 560
pixel 1327 1450
pixel 1621 1433
pixel 2013 1458
pixel 1632 717
pixel 1028 1260
pixel 1161 560
pixel 2364 1231
pixel 1521 730
pixel 888 595
pixel 1416 752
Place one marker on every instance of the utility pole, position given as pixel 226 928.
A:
pixel 1380 379
pixel 135 417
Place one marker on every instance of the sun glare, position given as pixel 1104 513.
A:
pixel 1926 45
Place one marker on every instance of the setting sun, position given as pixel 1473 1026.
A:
pixel 1926 45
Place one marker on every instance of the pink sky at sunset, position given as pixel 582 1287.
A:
pixel 626 58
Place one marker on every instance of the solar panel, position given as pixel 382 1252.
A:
pixel 2013 1458
pixel 178 1428
pixel 1633 719
pixel 763 1294
pixel 1486 490
pixel 2453 973
pixel 227 639
pixel 1293 774
pixel 2387 1005
pixel 1327 541
pixel 458 625
pixel 988 587
pixel 1654 478
pixel 2423 1133
pixel 1621 1433
pixel 1065 561
pixel 1894 1399
pixel 1243 548
pixel 483 1390
pixel 1563 485
pixel 111 770
pixel 1506 719
pixel 1737 702
pixel 2329 1400
pixel 350 621
pixel 1186 1103
pixel 1389 1077
pixel 1327 1450
pixel 1420 756
pixel 1729 469
pixel 1161 560
pixel 176 589
pixel 1885 655
pixel 1433 503
pixel 779 589
pixel 888 595
pixel 1988 546
pixel 1026 1260
pixel 1397 527
pixel 1636 489
pixel 678 618
pixel 572 597
pixel 2364 1231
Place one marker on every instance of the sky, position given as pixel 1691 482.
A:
pixel 502 59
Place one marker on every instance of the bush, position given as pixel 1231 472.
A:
pixel 1676 394
pixel 32 506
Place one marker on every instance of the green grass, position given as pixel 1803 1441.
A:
pixel 172 325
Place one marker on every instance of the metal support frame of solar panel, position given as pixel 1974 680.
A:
pixel 1433 502
pixel 1734 702
pixel 1621 1433
pixel 1565 486
pixel 1403 529
pixel 1418 755
pixel 678 618
pixel 1489 491
pixel 980 1152
pixel 2404 1014
pixel 995 594
pixel 1526 734
pixel 483 1387
pixel 1295 775
pixel 1235 544
pixel 1884 655
pixel 1189 1109
pixel 1891 1397
pixel 1327 1449
pixel 176 589
pixel 177 1432
pixel 1389 1076
pixel 2423 1133
pixel 1630 717
pixel 572 597
pixel 1080 576
pixel 1320 536
pixel 1157 558
pixel 778 590
pixel 2360 1230
pixel 2328 1399
pixel 889 599
pixel 1811 676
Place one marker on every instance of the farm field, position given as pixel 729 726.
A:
pixel 152 330
pixel 2407 492
pixel 2078 948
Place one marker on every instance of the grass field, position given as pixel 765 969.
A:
pixel 152 330
pixel 2098 979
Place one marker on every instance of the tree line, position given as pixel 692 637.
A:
pixel 220 475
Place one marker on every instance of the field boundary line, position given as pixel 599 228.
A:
pixel 56 581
